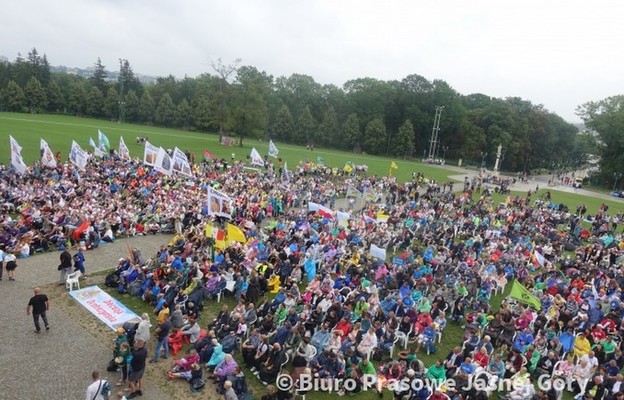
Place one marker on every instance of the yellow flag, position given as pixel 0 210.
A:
pixel 381 217
pixel 234 234
pixel 348 168
pixel 393 165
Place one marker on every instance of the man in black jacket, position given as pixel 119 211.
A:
pixel 65 266
pixel 453 360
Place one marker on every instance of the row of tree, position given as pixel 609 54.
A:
pixel 366 114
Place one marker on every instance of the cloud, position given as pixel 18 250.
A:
pixel 556 53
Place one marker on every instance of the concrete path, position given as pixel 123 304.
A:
pixel 57 364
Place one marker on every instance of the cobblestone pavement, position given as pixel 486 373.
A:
pixel 57 364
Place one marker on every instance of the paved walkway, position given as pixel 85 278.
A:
pixel 56 364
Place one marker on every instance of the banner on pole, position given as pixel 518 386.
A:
pixel 78 156
pixel 47 157
pixel 219 204
pixel 150 154
pixel 180 163
pixel 164 163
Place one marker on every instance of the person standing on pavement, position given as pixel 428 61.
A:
pixel 94 391
pixel 39 304
pixel 79 260
pixel 2 255
pixel 162 340
pixel 143 330
pixel 65 266
pixel 10 263
pixel 137 369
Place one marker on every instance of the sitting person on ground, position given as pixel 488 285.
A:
pixel 192 330
pixel 185 363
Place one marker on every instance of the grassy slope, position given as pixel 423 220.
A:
pixel 59 131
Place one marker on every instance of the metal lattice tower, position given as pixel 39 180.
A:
pixel 434 143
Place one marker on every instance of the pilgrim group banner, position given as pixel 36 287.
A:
pixel 219 203
pixel 78 156
pixel 107 309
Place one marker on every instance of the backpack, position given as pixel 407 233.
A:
pixel 112 280
pixel 106 389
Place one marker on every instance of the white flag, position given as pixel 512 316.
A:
pixel 180 163
pixel 150 154
pixel 285 173
pixel 163 162
pixel 16 157
pixel 47 157
pixel 273 151
pixel 256 158
pixel 378 252
pixel 123 151
pixel 78 156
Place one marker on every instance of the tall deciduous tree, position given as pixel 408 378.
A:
pixel 351 133
pixel 404 142
pixel 165 112
pixel 94 101
pixel 284 126
pixel 56 100
pixel 111 104
pixel 329 130
pixel 76 103
pixel 184 114
pixel 374 136
pixel 35 96
pixel 147 108
pixel 203 119
pixel 606 118
pixel 132 104
pixel 249 116
pixel 305 130
pixel 224 72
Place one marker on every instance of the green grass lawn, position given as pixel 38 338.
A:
pixel 59 131
pixel 569 199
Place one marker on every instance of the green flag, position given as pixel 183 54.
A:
pixel 523 295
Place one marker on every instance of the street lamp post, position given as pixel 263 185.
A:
pixel 444 150
pixel 483 155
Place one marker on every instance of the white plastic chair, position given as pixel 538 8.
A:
pixel 500 284
pixel 396 339
pixel 402 337
pixel 73 278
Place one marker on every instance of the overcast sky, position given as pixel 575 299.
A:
pixel 556 53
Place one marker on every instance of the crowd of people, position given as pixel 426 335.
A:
pixel 310 298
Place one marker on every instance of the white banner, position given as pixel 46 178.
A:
pixel 78 156
pixel 273 151
pixel 164 163
pixel 256 158
pixel 219 204
pixel 108 310
pixel 150 154
pixel 180 163
pixel 378 252
pixel 47 157
pixel 16 157
pixel 123 151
